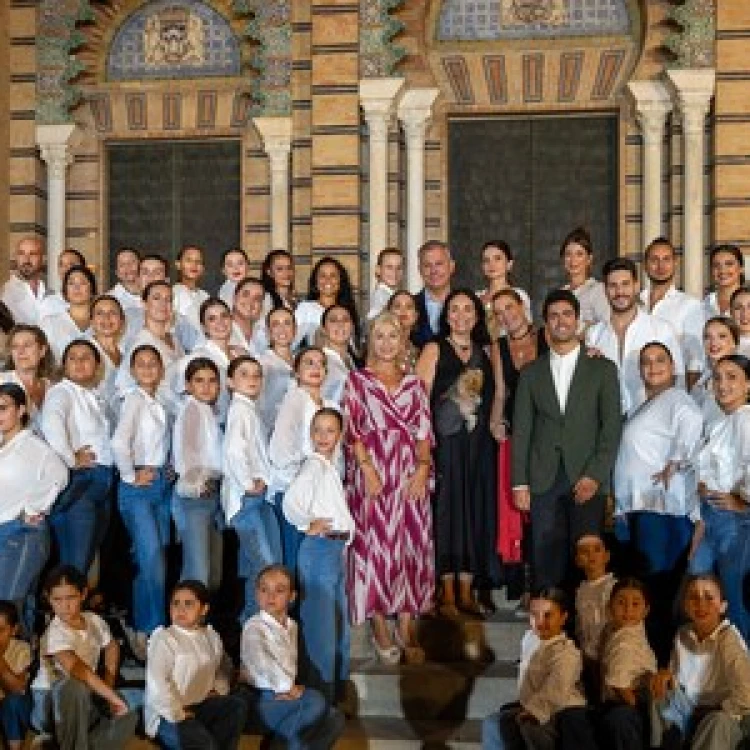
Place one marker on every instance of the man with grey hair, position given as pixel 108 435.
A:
pixel 436 267
pixel 24 291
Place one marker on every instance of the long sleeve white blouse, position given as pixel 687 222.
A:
pixel 278 376
pixel 723 461
pixel 196 447
pixel 337 372
pixel 268 652
pixel 60 329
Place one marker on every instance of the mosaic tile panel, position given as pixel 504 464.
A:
pixel 521 19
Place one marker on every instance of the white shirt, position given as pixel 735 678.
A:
pixel 723 461
pixel 744 346
pixel 667 428
pixel 24 305
pixel 685 314
pixel 715 671
pixel 549 677
pixel 643 329
pixel 627 659
pixel 196 447
pixel 245 454
pixel 337 372
pixel 73 417
pixel 379 299
pixel 433 307
pixel 711 309
pixel 106 389
pixel 226 291
pixel 188 302
pixel 86 644
pixel 256 344
pixel 31 476
pixel 277 378
pixel 592 598
pixel 317 492
pixel 142 435
pixel 182 668
pixel 593 301
pixel 563 366
pixel 308 315
pixel 268 653
pixel 126 298
pixel 703 395
pixel 35 414
pixel 53 304
pixel 18 658
pixel 186 333
pixel 60 330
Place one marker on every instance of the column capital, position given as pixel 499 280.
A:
pixel 694 89
pixel 415 110
pixel 276 134
pixel 55 143
pixel 376 97
pixel 652 102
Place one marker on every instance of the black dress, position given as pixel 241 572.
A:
pixel 511 373
pixel 465 463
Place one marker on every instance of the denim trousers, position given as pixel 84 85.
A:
pixel 199 523
pixel 146 513
pixel 501 731
pixel 324 619
pixel 80 516
pixel 660 539
pixel 307 723
pixel 291 537
pixel 257 530
pixel 15 716
pixel 725 550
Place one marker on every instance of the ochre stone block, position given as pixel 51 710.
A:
pixel 335 190
pixel 335 109
pixel 335 151
pixel 333 231
pixel 335 28
pixel 329 69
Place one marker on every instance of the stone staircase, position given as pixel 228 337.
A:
pixel 470 671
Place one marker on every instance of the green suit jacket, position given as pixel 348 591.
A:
pixel 584 438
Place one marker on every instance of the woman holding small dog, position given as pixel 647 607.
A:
pixel 458 376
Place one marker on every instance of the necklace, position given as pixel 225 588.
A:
pixel 460 347
pixel 528 330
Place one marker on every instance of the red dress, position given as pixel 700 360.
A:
pixel 391 566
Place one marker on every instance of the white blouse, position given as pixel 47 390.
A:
pixel 126 298
pixel 226 292
pixel 60 330
pixel 268 653
pixel 188 302
pixel 73 417
pixel 196 447
pixel 23 303
pixel 627 660
pixel 723 462
pixel 337 372
pixel 667 428
pixel 277 377
pixel 182 668
pixel 379 299
pixel 593 301
pixel 142 435
pixel 35 413
pixel 317 492
pixel 257 344
pixel 592 599
pixel 107 386
pixel 31 477
pixel 703 395
pixel 245 454
pixel 308 315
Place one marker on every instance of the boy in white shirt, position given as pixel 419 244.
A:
pixel 15 660
pixel 315 503
pixel 389 271
pixel 298 715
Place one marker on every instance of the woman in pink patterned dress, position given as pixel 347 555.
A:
pixel 389 442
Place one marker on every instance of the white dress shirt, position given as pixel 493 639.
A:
pixel 268 653
pixel 308 316
pixel 667 428
pixel 379 299
pixel 593 301
pixel 245 454
pixel 24 305
pixel 549 677
pixel 317 492
pixel 86 644
pixel 337 371
pixel 127 299
pixel 627 660
pixel 60 330
pixel 142 435
pixel 563 366
pixel 592 599
pixel 73 417
pixel 723 461
pixel 31 476
pixel 685 314
pixel 278 375
pixel 196 446
pixel 643 329
pixel 182 668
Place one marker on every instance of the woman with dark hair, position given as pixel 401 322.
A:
pixel 458 376
pixel 727 264
pixel 106 332
pixel 329 285
pixel 277 275
pixel 404 307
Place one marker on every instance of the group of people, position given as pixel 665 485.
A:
pixel 370 469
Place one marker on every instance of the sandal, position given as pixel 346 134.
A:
pixel 413 654
pixel 389 655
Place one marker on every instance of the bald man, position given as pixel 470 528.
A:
pixel 24 291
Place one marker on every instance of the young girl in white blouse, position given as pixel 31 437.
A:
pixel 246 487
pixel 316 505
pixel 141 447
pixel 75 425
pixel 71 700
pixel 336 331
pixel 290 441
pixel 197 451
pixel 277 363
pixel 188 703
pixel 235 266
pixel 31 477
pixel 187 294
pixel 704 695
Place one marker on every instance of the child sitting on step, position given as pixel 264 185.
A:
pixel 15 660
pixel 299 716
pixel 549 681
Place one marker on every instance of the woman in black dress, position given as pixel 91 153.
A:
pixel 458 376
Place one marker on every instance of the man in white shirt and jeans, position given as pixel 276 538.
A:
pixel 24 291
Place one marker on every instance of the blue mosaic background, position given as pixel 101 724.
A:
pixel 126 60
pixel 491 19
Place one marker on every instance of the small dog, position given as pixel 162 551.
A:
pixel 466 394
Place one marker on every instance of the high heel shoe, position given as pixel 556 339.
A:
pixel 389 655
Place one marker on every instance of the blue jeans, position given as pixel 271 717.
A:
pixel 308 722
pixel 501 731
pixel 257 530
pixel 324 619
pixel 217 724
pixel 660 539
pixel 198 523
pixel 80 517
pixel 725 549
pixel 24 550
pixel 15 716
pixel 291 537
pixel 146 513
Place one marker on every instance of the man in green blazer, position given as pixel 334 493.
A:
pixel 566 429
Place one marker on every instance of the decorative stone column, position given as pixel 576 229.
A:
pixel 652 105
pixel 414 111
pixel 376 96
pixel 54 145
pixel 276 133
pixel 694 89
